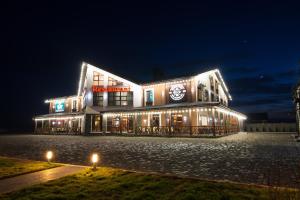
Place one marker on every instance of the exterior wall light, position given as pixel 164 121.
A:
pixel 94 160
pixel 49 156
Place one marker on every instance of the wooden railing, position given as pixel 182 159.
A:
pixel 47 130
pixel 176 130
pixel 192 131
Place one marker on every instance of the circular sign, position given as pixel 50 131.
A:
pixel 177 92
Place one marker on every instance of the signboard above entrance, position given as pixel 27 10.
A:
pixel 110 89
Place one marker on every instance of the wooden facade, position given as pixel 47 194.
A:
pixel 188 106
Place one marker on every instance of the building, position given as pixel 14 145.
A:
pixel 109 104
pixel 297 104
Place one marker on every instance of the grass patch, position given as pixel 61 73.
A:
pixel 10 167
pixel 108 183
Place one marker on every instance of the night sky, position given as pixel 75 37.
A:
pixel 255 45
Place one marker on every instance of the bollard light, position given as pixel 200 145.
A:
pixel 49 155
pixel 95 159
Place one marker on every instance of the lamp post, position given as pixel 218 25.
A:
pixel 297 104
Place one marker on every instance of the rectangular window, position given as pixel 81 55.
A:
pixel 200 93
pixel 74 105
pixel 98 99
pixel 176 120
pixel 211 81
pixel 98 79
pixel 149 98
pixel 217 87
pixel 120 98
pixel 212 97
pixel 206 96
pixel 113 82
pixel 155 120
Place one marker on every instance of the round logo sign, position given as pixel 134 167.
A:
pixel 177 92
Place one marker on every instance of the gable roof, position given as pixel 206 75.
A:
pixel 85 65
pixel 83 72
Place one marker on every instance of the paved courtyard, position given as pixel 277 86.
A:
pixel 263 158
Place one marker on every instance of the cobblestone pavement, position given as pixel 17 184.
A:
pixel 263 158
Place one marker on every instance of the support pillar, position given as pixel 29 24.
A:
pixel 35 126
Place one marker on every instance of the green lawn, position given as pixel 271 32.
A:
pixel 108 183
pixel 11 166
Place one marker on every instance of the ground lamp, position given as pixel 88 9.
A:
pixel 49 156
pixel 94 160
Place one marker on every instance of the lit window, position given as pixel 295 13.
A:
pixel 98 79
pixel 120 98
pixel 98 99
pixel 149 98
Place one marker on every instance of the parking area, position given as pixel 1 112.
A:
pixel 263 158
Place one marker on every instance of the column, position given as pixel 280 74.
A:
pixel 35 127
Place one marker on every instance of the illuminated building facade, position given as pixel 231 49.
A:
pixel 108 104
pixel 297 104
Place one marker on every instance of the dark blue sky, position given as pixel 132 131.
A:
pixel 256 45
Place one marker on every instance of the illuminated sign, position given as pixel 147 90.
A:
pixel 59 106
pixel 110 89
pixel 177 92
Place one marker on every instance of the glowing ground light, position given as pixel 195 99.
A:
pixel 49 155
pixel 95 159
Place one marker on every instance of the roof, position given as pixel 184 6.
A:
pixel 58 98
pixel 168 80
pixel 217 71
pixel 166 106
pixel 53 115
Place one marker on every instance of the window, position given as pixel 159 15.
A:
pixel 217 87
pixel 113 82
pixel 206 95
pixel 211 80
pixel 212 97
pixel 149 98
pixel 200 93
pixel 98 99
pixel 176 120
pixel 98 79
pixel 155 120
pixel 120 98
pixel 74 105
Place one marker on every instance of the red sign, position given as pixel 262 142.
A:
pixel 110 89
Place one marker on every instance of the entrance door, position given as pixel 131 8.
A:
pixel 127 124
pixel 176 123
pixel 96 123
